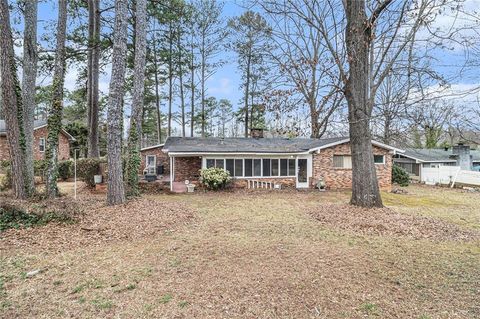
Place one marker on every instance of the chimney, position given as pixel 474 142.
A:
pixel 256 132
pixel 462 154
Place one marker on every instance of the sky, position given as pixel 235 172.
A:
pixel 225 83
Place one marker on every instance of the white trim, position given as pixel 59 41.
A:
pixel 385 146
pixel 154 160
pixel 233 154
pixel 171 172
pixel 309 171
pixel 383 161
pixel 151 147
pixel 426 161
pixel 44 144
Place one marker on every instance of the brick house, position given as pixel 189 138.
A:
pixel 39 142
pixel 295 163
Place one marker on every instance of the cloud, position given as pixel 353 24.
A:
pixel 223 86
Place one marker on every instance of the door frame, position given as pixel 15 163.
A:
pixel 306 184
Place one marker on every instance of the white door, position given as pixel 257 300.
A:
pixel 304 170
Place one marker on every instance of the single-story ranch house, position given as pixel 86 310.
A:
pixel 413 160
pixel 39 142
pixel 284 162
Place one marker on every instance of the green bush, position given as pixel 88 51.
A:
pixel 87 168
pixel 215 178
pixel 39 167
pixel 400 176
pixel 65 169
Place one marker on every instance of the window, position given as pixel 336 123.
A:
pixel 379 159
pixel 41 145
pixel 219 163
pixel 275 167
pixel 257 167
pixel 238 167
pixel 291 167
pixel 248 167
pixel 342 161
pixel 284 167
pixel 210 163
pixel 266 167
pixel 151 161
pixel 229 166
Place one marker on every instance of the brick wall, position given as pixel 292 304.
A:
pixel 187 168
pixel 341 178
pixel 63 146
pixel 162 159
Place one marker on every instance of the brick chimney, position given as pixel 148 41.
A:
pixel 256 132
pixel 462 155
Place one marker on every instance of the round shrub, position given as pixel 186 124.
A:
pixel 87 168
pixel 400 176
pixel 215 178
pixel 65 169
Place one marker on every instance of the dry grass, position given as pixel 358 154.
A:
pixel 250 255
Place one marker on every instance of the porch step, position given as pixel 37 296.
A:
pixel 257 184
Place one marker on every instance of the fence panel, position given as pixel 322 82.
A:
pixel 449 174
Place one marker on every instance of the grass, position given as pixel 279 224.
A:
pixel 258 255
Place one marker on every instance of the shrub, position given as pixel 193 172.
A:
pixel 39 167
pixel 400 176
pixel 65 169
pixel 87 168
pixel 215 178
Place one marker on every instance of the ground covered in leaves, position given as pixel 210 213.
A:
pixel 249 255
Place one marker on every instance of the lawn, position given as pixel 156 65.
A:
pixel 263 254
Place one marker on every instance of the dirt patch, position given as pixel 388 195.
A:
pixel 387 222
pixel 96 224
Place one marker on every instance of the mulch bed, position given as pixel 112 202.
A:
pixel 387 222
pixel 97 223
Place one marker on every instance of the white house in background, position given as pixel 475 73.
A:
pixel 413 160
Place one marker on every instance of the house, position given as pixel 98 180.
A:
pixel 39 142
pixel 413 160
pixel 296 162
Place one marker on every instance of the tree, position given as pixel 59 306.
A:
pixel 28 85
pixel 211 34
pixel 116 189
pixel 12 104
pixel 250 35
pixel 224 114
pixel 93 72
pixel 136 119
pixel 54 121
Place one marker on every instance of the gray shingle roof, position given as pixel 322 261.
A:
pixel 245 145
pixel 36 123
pixel 436 155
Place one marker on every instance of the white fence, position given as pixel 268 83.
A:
pixel 448 175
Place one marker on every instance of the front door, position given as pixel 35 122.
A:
pixel 302 172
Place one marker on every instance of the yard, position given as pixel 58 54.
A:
pixel 262 254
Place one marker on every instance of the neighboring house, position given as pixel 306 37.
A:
pixel 39 142
pixel 298 162
pixel 414 159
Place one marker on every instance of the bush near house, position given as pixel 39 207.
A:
pixel 214 178
pixel 87 168
pixel 400 176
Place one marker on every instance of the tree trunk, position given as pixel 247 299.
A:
pixel 29 76
pixel 93 71
pixel 192 97
pixel 136 118
pixel 180 78
pixel 365 190
pixel 116 189
pixel 203 84
pixel 157 97
pixel 170 81
pixel 12 104
pixel 247 86
pixel 54 122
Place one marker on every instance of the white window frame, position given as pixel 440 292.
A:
pixel 147 167
pixel 41 143
pixel 253 158
pixel 343 161
pixel 383 157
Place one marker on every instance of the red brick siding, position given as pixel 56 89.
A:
pixel 63 146
pixel 162 159
pixel 187 168
pixel 340 178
